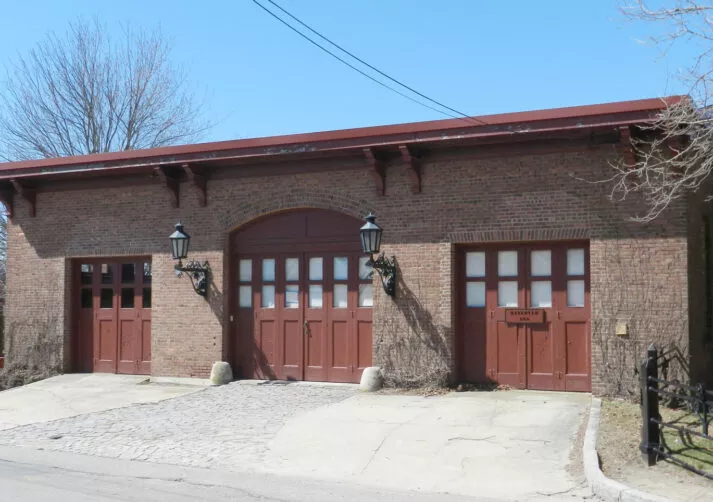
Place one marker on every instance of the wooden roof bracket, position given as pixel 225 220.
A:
pixel 197 177
pixel 7 197
pixel 413 167
pixel 171 182
pixel 378 170
pixel 27 193
pixel 627 145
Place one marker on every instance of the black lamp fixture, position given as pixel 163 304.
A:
pixel 371 244
pixel 199 273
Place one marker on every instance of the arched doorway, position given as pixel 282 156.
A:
pixel 301 298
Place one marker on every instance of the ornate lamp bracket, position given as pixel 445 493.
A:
pixel 386 268
pixel 199 273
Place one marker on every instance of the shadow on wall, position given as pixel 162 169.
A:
pixel 235 349
pixel 415 355
pixel 216 301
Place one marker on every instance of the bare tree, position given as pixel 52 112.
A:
pixel 82 92
pixel 674 155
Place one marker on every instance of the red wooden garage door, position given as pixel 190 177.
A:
pixel 548 280
pixel 303 298
pixel 113 315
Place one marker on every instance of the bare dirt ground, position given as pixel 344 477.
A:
pixel 618 448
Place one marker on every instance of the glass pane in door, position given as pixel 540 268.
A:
pixel 315 296
pixel 541 263
pixel 292 269
pixel 340 296
pixel 268 297
pixel 575 293
pixel 341 268
pixel 507 263
pixel 475 294
pixel 246 270
pixel 575 262
pixel 541 294
pixel 292 293
pixel 366 295
pixel 475 264
pixel 365 271
pixel 315 269
pixel 507 294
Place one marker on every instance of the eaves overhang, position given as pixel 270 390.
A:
pixel 487 129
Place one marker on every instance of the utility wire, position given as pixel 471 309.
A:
pixel 316 44
pixel 372 67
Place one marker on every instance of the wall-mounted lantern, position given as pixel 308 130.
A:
pixel 199 273
pixel 371 244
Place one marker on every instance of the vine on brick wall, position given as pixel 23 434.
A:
pixel 417 355
pixel 34 346
pixel 654 311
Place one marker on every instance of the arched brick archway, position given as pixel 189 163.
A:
pixel 301 300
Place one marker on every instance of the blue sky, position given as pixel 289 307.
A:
pixel 480 57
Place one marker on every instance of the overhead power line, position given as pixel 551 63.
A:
pixel 458 114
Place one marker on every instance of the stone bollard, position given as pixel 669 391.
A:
pixel 221 373
pixel 371 379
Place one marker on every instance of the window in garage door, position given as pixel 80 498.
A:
pixel 551 278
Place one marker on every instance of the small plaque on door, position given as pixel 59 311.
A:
pixel 525 316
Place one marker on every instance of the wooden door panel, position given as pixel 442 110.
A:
pixel 472 358
pixel 315 317
pixel 265 355
pixel 541 358
pixel 85 340
pixel 145 357
pixel 576 374
pixel 340 345
pixel 105 346
pixel 314 352
pixel 292 340
pixel 128 347
pixel 508 363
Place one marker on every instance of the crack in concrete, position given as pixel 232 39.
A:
pixel 462 438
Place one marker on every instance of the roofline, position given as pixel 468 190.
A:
pixel 638 111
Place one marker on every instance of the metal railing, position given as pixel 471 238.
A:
pixel 697 398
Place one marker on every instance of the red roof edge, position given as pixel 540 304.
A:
pixel 472 124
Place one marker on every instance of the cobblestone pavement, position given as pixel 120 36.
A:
pixel 224 427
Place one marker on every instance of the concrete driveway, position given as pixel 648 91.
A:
pixel 75 394
pixel 512 445
pixel 515 445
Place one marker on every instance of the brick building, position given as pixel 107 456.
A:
pixel 510 267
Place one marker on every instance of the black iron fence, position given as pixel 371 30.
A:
pixel 696 398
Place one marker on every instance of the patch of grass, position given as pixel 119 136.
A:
pixel 686 447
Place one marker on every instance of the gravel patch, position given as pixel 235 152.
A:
pixel 224 427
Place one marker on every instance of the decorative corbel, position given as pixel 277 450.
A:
pixel 197 177
pixel 171 182
pixel 27 193
pixel 627 145
pixel 378 170
pixel 413 167
pixel 7 197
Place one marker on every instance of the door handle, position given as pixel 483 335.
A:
pixel 306 331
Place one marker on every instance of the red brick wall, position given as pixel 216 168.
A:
pixel 639 272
